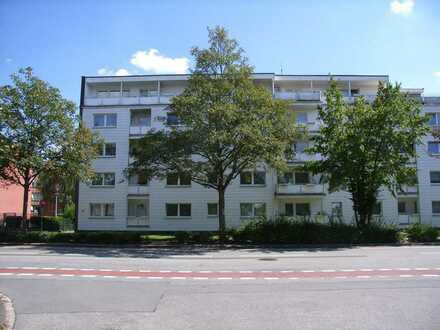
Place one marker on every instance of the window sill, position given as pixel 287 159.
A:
pixel 435 184
pixel 106 157
pixel 252 185
pixel 102 218
pixel 436 214
pixel 106 187
pixel 212 216
pixel 177 218
pixel 104 127
pixel 177 186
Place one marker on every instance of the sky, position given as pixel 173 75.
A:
pixel 63 40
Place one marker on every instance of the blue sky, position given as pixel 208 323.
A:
pixel 63 40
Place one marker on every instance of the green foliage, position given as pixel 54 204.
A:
pixel 69 211
pixel 367 146
pixel 227 123
pixel 40 134
pixel 422 233
pixel 286 231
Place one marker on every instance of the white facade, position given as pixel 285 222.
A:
pixel 124 108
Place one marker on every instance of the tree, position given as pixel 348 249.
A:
pixel 227 124
pixel 368 146
pixel 40 135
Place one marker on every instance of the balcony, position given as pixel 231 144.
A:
pixel 409 219
pixel 301 157
pixel 128 98
pixel 408 190
pixel 138 221
pixel 300 95
pixel 311 189
pixel 352 99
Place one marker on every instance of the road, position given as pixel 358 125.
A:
pixel 56 287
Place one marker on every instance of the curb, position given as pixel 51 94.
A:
pixel 222 246
pixel 9 318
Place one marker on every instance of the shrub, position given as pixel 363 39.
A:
pixel 49 223
pixel 422 233
pixel 13 222
pixel 182 236
pixel 286 230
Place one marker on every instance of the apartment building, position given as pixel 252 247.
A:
pixel 123 108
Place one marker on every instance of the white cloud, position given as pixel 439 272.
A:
pixel 8 60
pixel 436 74
pixel 109 72
pixel 402 7
pixel 152 61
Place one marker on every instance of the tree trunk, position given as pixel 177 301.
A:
pixel 24 222
pixel 221 216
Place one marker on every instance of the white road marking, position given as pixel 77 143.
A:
pixel 224 278
pixel 430 275
pixel 48 268
pixel 341 277
pixel 205 271
pixel 245 271
pixel 348 270
pixel 271 278
pixel 29 267
pixel 45 275
pixel 366 270
pixel 6 274
pixel 164 271
pixel 328 270
pixel 248 278
pixel 178 278
pixel 109 276
pixel 404 268
pixel 155 277
pixel 293 278
pixel 88 275
pixel 11 267
pixel 86 269
pixel 267 271
pixel 287 271
pixel 132 277
pixel 25 274
pixel 385 269
pixel 406 275
pixel 363 276
pixel 200 278
pixel 307 271
pixel 67 275
pixel 421 268
pixel 184 271
pixel 105 270
pixel 67 268
pixel 125 270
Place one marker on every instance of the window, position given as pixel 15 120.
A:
pixel 377 208
pixel 434 118
pixel 434 176
pixel 103 179
pixel 148 92
pixel 401 207
pixel 178 209
pixel 294 178
pixel 174 179
pixel 248 210
pixel 435 207
pixel 253 178
pixel 302 209
pixel 138 179
pixel 298 209
pixel 104 120
pixel 137 208
pixel 337 209
pixel 140 117
pixel 300 146
pixel 102 209
pixel 302 178
pixel 36 196
pixel 107 150
pixel 301 118
pixel 212 209
pixel 172 119
pixel 433 147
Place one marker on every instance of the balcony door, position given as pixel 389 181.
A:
pixel 138 211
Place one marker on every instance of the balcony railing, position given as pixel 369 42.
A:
pixel 408 219
pixel 128 98
pixel 303 157
pixel 300 95
pixel 351 99
pixel 408 190
pixel 139 130
pixel 138 221
pixel 300 189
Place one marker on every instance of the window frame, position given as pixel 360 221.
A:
pixel 179 181
pixel 102 210
pixel 216 209
pixel 102 175
pixel 103 150
pixel 139 111
pixel 254 213
pixel 432 208
pixel 438 147
pixel 252 177
pixel 430 177
pixel 106 115
pixel 179 210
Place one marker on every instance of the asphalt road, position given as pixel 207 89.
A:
pixel 199 288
